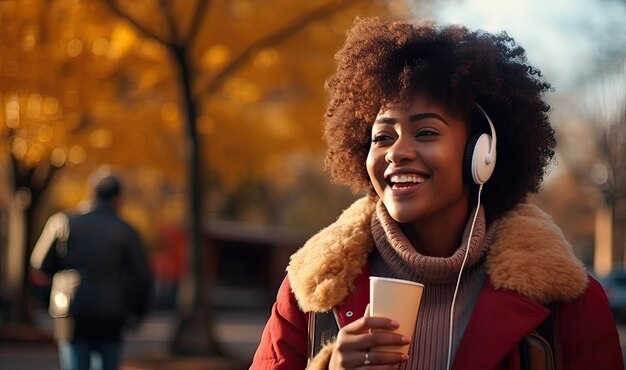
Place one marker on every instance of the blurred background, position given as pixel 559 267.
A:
pixel 211 113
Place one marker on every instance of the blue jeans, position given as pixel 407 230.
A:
pixel 89 355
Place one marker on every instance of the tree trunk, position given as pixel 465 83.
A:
pixel 194 331
pixel 619 233
pixel 28 187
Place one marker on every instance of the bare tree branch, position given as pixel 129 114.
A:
pixel 282 34
pixel 117 10
pixel 194 27
pixel 167 13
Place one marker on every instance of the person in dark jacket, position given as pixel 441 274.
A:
pixel 101 282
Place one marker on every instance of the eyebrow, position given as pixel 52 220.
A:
pixel 412 118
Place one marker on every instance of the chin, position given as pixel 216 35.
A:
pixel 401 216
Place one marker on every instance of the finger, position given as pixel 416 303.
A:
pixel 386 358
pixel 358 336
pixel 353 343
pixel 384 338
pixel 375 360
pixel 368 323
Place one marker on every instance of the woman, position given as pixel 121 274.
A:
pixel 416 116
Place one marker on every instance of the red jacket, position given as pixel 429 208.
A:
pixel 501 317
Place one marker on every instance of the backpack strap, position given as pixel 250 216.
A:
pixel 556 344
pixel 322 327
pixel 541 349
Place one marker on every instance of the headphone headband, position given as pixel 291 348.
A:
pixel 492 148
pixel 480 156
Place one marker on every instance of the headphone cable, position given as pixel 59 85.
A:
pixel 458 280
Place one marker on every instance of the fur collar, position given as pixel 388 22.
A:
pixel 529 251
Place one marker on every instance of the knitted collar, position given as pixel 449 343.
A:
pixel 529 255
pixel 396 250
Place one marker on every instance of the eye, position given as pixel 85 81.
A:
pixel 381 137
pixel 427 132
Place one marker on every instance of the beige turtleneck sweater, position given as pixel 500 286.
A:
pixel 395 257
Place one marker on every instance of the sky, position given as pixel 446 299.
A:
pixel 579 46
pixel 569 40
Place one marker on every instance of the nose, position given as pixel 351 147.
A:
pixel 402 150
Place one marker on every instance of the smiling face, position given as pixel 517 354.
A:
pixel 415 162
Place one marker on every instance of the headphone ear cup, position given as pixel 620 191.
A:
pixel 481 168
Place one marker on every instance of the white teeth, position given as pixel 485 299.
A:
pixel 407 178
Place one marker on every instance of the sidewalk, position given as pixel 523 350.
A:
pixel 237 331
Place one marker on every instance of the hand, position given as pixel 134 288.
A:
pixel 352 350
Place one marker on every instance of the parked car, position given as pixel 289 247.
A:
pixel 615 287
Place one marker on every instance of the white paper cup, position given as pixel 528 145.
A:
pixel 398 300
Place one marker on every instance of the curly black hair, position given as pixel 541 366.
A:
pixel 387 61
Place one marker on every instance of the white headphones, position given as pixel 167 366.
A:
pixel 483 161
pixel 483 155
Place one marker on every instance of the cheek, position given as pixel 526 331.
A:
pixel 454 164
pixel 369 165
pixel 449 157
pixel 454 168
pixel 372 163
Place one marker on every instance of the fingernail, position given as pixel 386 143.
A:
pixel 395 324
pixel 405 357
pixel 405 340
